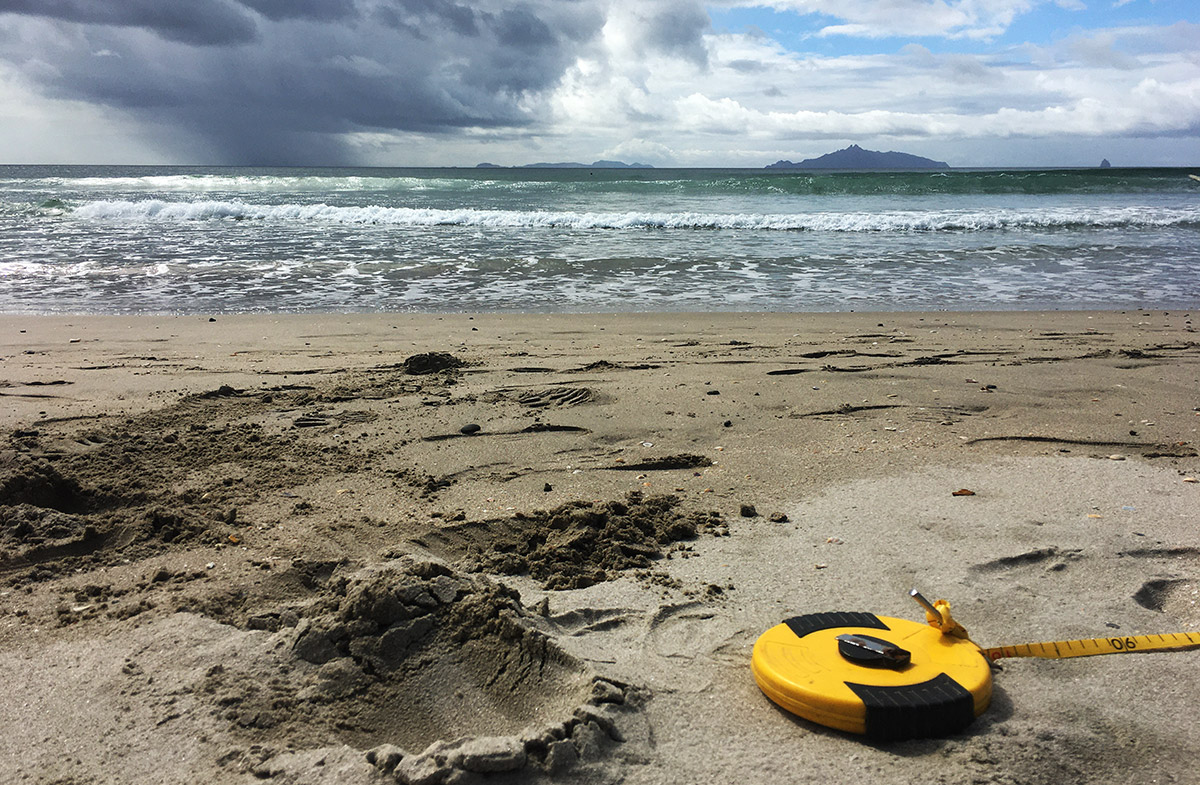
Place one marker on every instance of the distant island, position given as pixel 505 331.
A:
pixel 854 157
pixel 571 165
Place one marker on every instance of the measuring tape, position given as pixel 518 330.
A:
pixel 937 614
pixel 893 678
pixel 1089 647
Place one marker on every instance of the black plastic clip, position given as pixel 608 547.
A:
pixel 872 652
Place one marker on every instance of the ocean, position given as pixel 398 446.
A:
pixel 125 240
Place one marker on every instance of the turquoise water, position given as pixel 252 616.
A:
pixel 172 240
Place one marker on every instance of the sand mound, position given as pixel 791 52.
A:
pixel 431 362
pixel 51 522
pixel 409 655
pixel 125 488
pixel 38 483
pixel 577 544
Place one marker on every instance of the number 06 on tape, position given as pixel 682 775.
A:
pixel 893 678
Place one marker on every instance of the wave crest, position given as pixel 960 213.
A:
pixel 884 221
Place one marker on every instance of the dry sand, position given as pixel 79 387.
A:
pixel 263 548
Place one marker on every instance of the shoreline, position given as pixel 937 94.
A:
pixel 196 510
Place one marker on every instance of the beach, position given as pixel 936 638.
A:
pixel 334 548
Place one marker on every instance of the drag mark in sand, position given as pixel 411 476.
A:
pixel 538 427
pixel 1028 558
pixel 1150 450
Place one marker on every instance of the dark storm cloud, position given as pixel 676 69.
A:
pixel 413 15
pixel 193 22
pixel 326 10
pixel 677 28
pixel 290 77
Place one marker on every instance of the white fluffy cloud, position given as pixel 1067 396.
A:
pixel 1121 83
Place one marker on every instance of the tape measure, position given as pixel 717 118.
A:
pixel 890 678
pixel 1090 647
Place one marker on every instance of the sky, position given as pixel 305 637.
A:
pixel 739 83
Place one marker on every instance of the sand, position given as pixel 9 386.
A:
pixel 498 548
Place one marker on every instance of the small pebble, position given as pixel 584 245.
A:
pixel 470 428
pixel 748 511
pixel 1116 457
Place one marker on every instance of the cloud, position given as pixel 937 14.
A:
pixel 1150 108
pixel 448 81
pixel 1099 50
pixel 640 151
pixel 201 22
pixel 655 29
pixel 269 81
pixel 322 10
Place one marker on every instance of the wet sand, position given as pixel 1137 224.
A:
pixel 497 548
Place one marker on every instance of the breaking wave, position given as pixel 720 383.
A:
pixel 883 221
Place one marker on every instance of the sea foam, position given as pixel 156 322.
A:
pixel 886 221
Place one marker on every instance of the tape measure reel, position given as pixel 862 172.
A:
pixel 892 678
pixel 875 675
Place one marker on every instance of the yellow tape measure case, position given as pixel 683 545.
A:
pixel 883 677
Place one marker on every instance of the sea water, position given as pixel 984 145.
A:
pixel 100 239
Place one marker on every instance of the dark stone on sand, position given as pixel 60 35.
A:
pixel 547 488
pixel 727 424
pixel 748 511
pixel 470 428
pixel 431 362
pixel 778 517
pixel 713 392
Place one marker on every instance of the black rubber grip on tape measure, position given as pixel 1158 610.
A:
pixel 814 622
pixel 937 707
